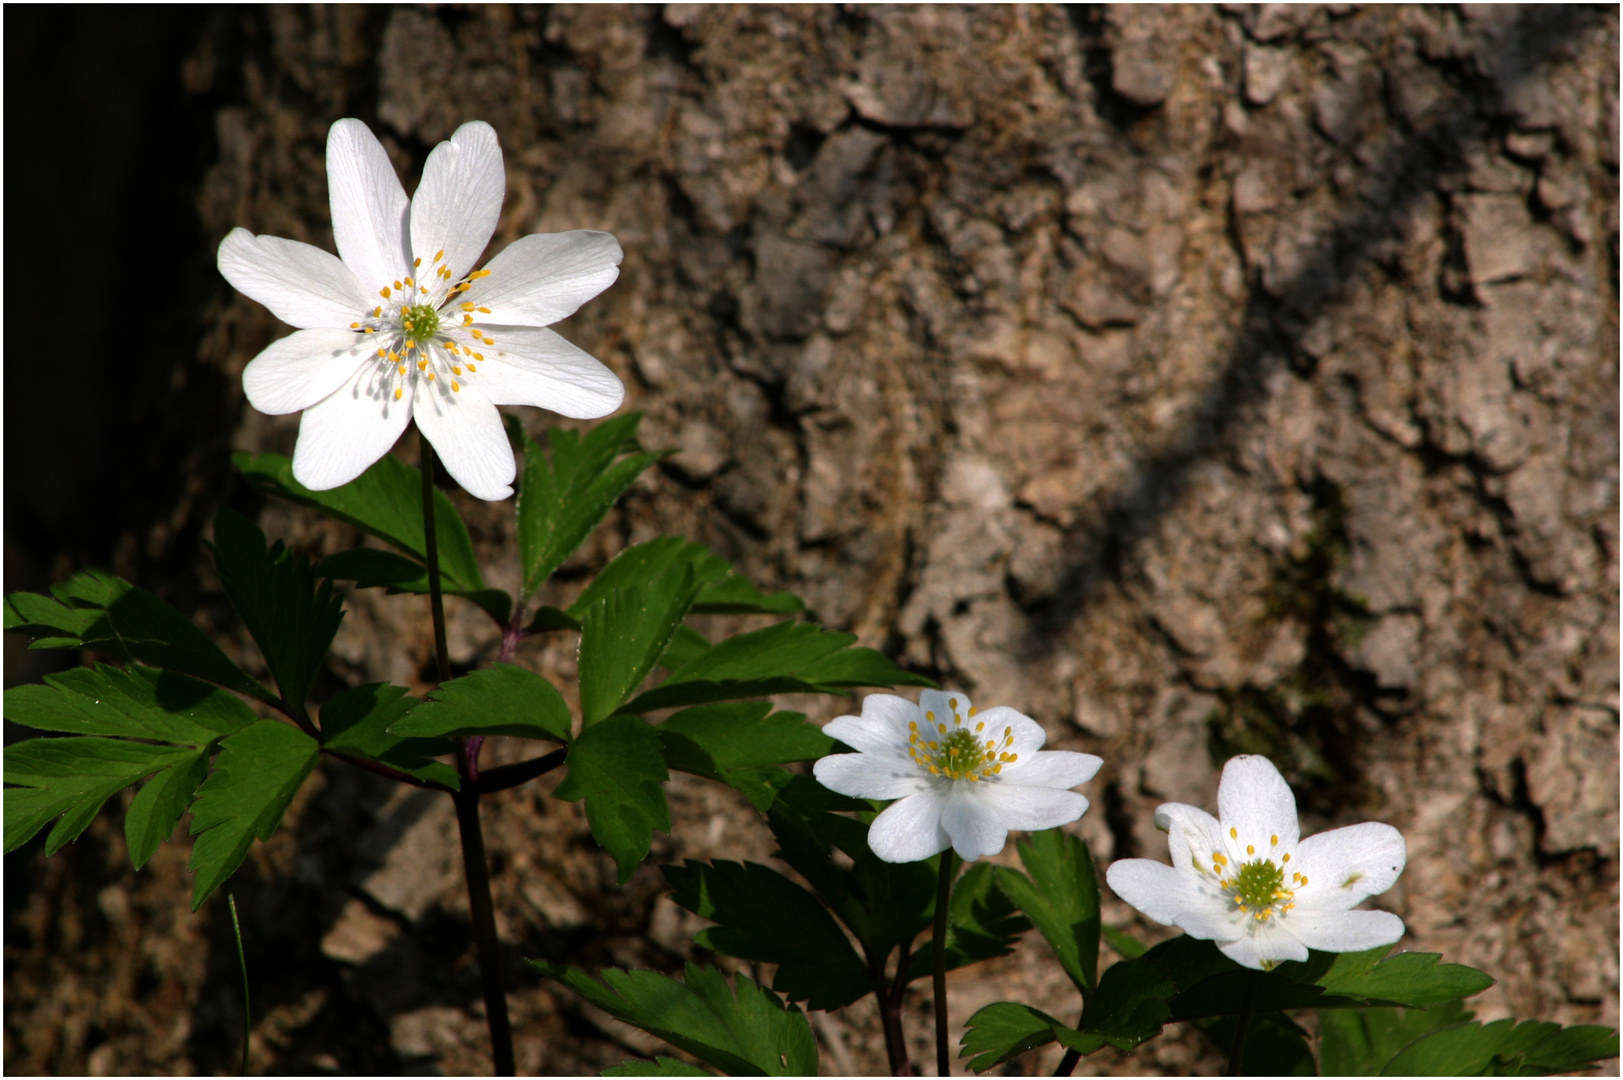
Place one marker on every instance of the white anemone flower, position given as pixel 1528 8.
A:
pixel 961 779
pixel 400 326
pixel 1248 881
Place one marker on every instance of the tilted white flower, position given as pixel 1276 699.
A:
pixel 399 325
pixel 1247 880
pixel 961 779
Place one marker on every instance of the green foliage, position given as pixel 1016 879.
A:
pixel 371 568
pixel 256 775
pixel 737 595
pixel 386 501
pixel 500 700
pixel 622 636
pixel 560 502
pixel 763 916
pixel 74 777
pixel 1003 1031
pixel 1275 1046
pixel 644 566
pixel 981 923
pixel 741 744
pixel 1408 978
pixel 744 1033
pixel 291 617
pixel 616 766
pixel 784 658
pixel 1358 1042
pixel 1440 1041
pixel 355 724
pixel 105 614
pixel 660 1066
pixel 1061 896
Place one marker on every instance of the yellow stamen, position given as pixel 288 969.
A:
pixel 1234 834
pixel 472 368
pixel 415 263
pixel 422 365
pixel 485 310
pixel 454 385
pixel 384 292
pixel 1251 849
pixel 440 254
pixel 397 393
pixel 467 306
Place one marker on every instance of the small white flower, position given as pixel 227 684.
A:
pixel 401 326
pixel 961 779
pixel 1247 880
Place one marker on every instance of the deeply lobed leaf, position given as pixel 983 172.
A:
pixel 616 766
pixel 1061 896
pixel 500 700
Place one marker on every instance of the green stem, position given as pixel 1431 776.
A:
pixel 242 959
pixel 1242 1027
pixel 938 953
pixel 431 545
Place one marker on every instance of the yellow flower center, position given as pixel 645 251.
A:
pixel 957 751
pixel 414 325
pixel 1258 886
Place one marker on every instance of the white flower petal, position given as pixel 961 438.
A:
pixel 882 727
pixel 347 431
pixel 871 776
pixel 1029 735
pixel 944 703
pixel 1268 941
pixel 300 284
pixel 910 829
pixel 369 207
pixel 1192 835
pixel 1343 866
pixel 466 431
pixel 1171 898
pixel 537 367
pixel 1345 931
pixel 972 819
pixel 1035 808
pixel 460 198
pixel 1052 768
pixel 1254 800
pixel 303 368
pixel 539 279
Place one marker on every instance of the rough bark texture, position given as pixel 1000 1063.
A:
pixel 1194 379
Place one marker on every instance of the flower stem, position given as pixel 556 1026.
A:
pixel 431 546
pixel 242 959
pixel 938 952
pixel 890 1014
pixel 1242 1027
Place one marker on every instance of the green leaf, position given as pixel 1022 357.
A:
pixel 291 617
pixel 1407 978
pixel 370 568
pixel 685 644
pixel 385 501
pixel 736 595
pixel 981 923
pixel 753 905
pixel 356 724
pixel 1126 945
pixel 1562 1050
pixel 157 807
pixel 616 766
pixel 256 775
pixel 1133 998
pixel 97 611
pixel 72 777
pixel 739 744
pixel 1062 898
pixel 751 1033
pixel 623 634
pixel 1003 1031
pixel 783 658
pixel 1359 1042
pixel 561 502
pixel 644 565
pixel 660 1066
pixel 1275 1045
pixel 500 700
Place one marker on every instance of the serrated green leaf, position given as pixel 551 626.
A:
pixel 1406 978
pixel 137 703
pixel 747 1033
pixel 72 777
pixel 1275 1045
pixel 385 501
pixel 737 595
pixel 1126 945
pixel 1358 1042
pixel 1463 1050
pixel 783 658
pixel 660 559
pixel 292 618
pixel 622 636
pixel 1563 1050
pixel 106 614
pixel 158 806
pixel 660 1066
pixel 745 733
pixel 751 905
pixel 356 724
pixel 1003 1031
pixel 1061 896
pixel 616 766
pixel 256 775
pixel 685 644
pixel 501 700
pixel 370 568
pixel 981 924
pixel 561 502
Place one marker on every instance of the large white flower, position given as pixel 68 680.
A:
pixel 399 325
pixel 961 779
pixel 1246 880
